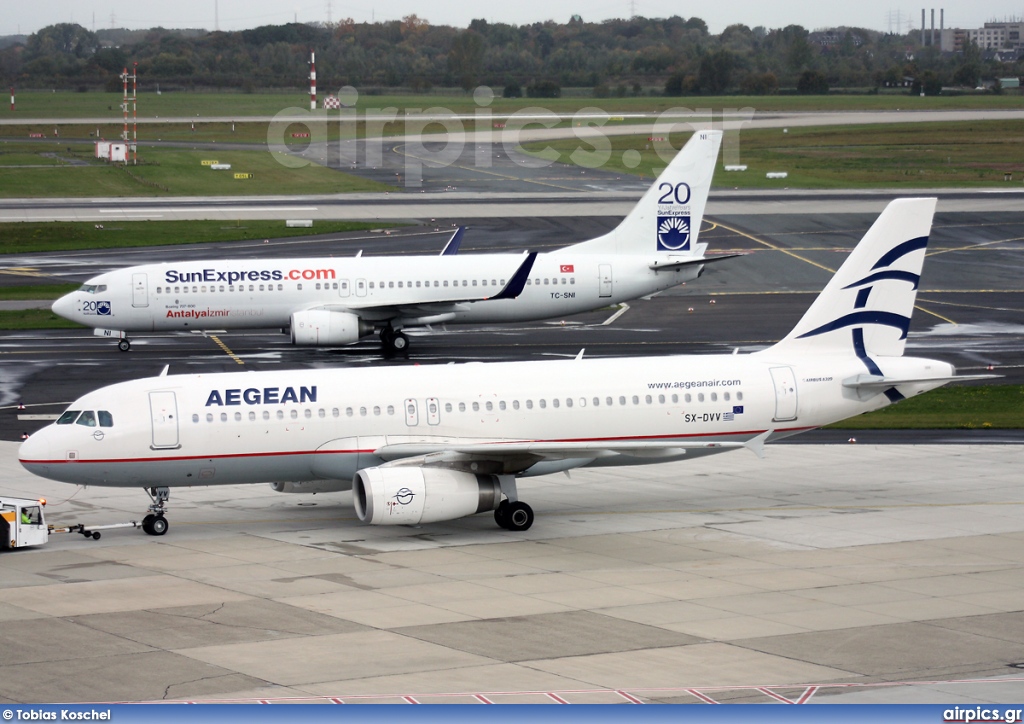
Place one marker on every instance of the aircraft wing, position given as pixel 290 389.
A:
pixel 452 247
pixel 514 456
pixel 434 311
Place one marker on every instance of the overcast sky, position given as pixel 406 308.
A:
pixel 27 17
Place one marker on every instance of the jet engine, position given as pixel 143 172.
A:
pixel 312 486
pixel 324 328
pixel 409 496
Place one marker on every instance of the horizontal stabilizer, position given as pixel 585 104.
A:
pixel 679 263
pixel 867 386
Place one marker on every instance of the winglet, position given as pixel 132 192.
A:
pixel 452 247
pixel 756 444
pixel 517 283
pixel 164 371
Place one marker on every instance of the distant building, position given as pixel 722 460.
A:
pixel 994 36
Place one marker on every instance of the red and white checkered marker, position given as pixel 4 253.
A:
pixel 332 103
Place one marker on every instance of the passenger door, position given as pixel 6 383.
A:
pixel 163 408
pixel 140 290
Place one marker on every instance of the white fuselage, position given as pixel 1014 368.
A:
pixel 307 425
pixel 244 294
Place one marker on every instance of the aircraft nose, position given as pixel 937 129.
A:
pixel 36 453
pixel 65 307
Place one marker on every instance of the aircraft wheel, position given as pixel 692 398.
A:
pixel 147 524
pixel 501 514
pixel 519 516
pixel 400 342
pixel 95 535
pixel 158 526
pixel 124 345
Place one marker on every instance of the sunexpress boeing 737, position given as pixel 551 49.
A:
pixel 338 301
pixel 421 444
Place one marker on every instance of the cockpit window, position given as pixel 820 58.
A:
pixel 87 418
pixel 68 417
pixel 106 419
pixel 93 288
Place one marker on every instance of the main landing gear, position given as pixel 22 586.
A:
pixel 393 341
pixel 155 523
pixel 124 344
pixel 517 516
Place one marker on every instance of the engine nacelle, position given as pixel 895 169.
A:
pixel 312 486
pixel 409 496
pixel 324 328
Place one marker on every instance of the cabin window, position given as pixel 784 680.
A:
pixel 223 417
pixel 515 404
pixel 391 285
pixel 484 283
pixel 376 411
pixel 335 412
pixel 725 396
pixel 563 280
pixel 445 283
pixel 391 409
pixel 543 404
pixel 261 287
pixel 648 399
pixel 176 291
pixel 714 397
pixel 700 397
pixel 195 290
pixel 462 407
pixel 622 400
pixel 447 407
pixel 636 400
pixel 675 399
pixel 317 286
pixel 195 418
pixel 295 414
pixel 529 281
pixel 209 417
pixel 546 282
pixel 465 283
pixel 501 405
pixel 490 406
pixel 661 399
pixel 739 396
pixel 476 407
pixel 307 413
pixel 253 288
pixel 266 414
pixel 349 412
pixel 568 402
pixel 280 414
pixel 371 285
pixel 238 417
pixel 572 280
pixel 362 412
pixel 597 401
pixel 203 289
pixel 688 398
pixel 474 282
pixel 529 404
pixel 87 418
pixel 252 416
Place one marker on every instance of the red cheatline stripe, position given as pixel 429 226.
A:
pixel 772 694
pixel 667 438
pixel 556 698
pixel 702 697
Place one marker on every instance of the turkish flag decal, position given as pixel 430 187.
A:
pixel 567 269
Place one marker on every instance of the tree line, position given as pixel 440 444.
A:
pixel 671 56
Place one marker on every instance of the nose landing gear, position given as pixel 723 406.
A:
pixel 155 523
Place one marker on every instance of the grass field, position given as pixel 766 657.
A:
pixel 34 319
pixel 20 238
pixel 162 172
pixel 36 291
pixel 35 104
pixel 963 154
pixel 949 408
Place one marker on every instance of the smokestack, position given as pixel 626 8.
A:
pixel 922 26
pixel 312 78
pixel 933 26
